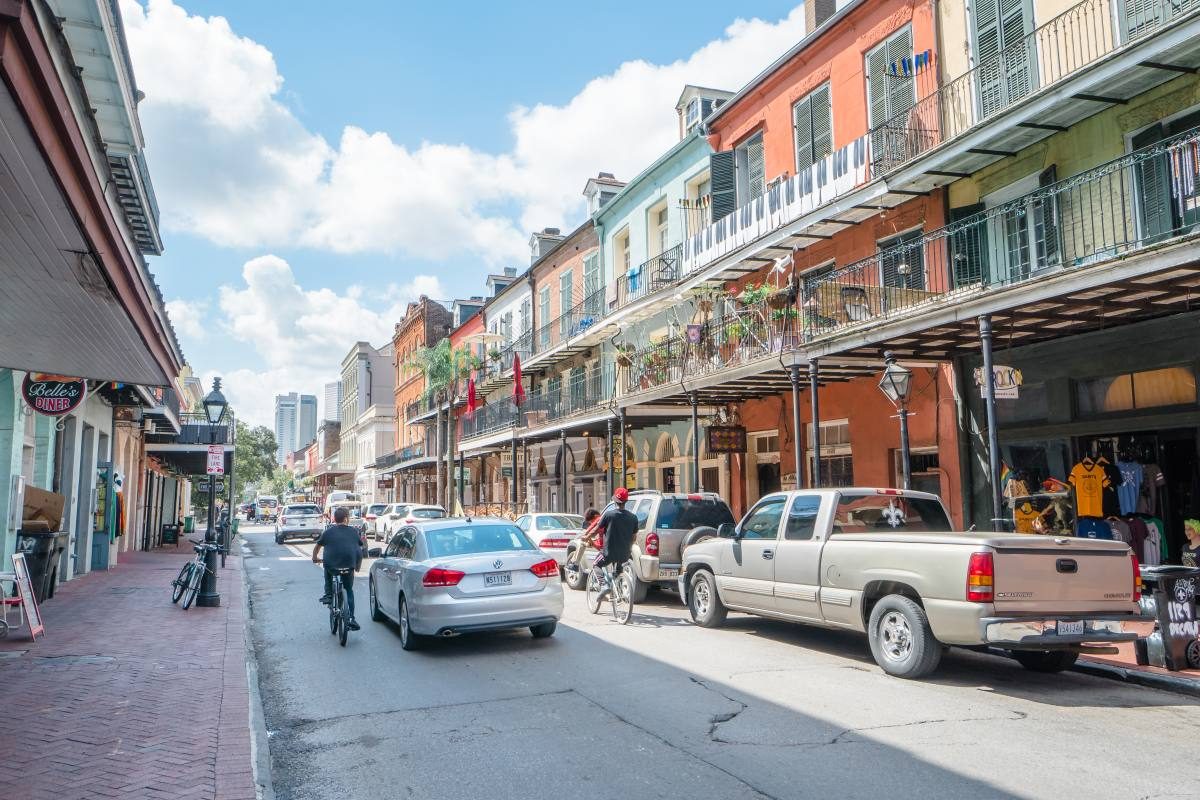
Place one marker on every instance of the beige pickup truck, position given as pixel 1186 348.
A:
pixel 887 563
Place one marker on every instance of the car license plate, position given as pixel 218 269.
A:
pixel 668 573
pixel 497 579
pixel 1070 628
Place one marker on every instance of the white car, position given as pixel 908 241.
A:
pixel 401 514
pixel 371 513
pixel 552 532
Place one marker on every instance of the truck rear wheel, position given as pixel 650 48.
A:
pixel 1045 660
pixel 901 639
pixel 703 601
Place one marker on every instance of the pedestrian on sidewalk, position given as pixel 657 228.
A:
pixel 342 545
pixel 1191 549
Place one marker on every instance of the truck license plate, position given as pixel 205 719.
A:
pixel 1070 628
pixel 497 579
pixel 668 573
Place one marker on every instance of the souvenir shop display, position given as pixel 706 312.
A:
pixel 1048 508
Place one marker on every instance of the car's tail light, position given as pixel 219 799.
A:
pixel 981 578
pixel 370 516
pixel 442 577
pixel 1137 578
pixel 652 544
pixel 545 569
pixel 554 543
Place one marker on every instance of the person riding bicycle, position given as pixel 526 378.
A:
pixel 342 544
pixel 619 528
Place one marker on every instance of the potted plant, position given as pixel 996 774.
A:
pixel 624 355
pixel 753 295
pixel 494 354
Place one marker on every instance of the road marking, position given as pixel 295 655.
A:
pixel 295 558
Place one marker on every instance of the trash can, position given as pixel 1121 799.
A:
pixel 233 526
pixel 189 524
pixel 170 533
pixel 1175 642
pixel 42 549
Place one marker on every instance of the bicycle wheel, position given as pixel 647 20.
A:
pixel 193 586
pixel 180 583
pixel 594 585
pixel 622 595
pixel 343 621
pixel 335 614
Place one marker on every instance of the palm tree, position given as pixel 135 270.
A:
pixel 443 366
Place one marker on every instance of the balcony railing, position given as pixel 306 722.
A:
pixel 585 390
pixel 1138 201
pixel 1079 36
pixel 497 416
pixel 411 452
pixel 647 278
pixel 521 346
pixel 583 315
pixel 739 336
pixel 194 429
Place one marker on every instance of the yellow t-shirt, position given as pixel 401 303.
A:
pixel 1090 483
pixel 1024 516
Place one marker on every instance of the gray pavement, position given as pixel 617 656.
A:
pixel 664 709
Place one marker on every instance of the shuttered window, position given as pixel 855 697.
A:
pixel 902 261
pixel 544 316
pixel 812 123
pixel 1156 211
pixel 755 180
pixel 591 283
pixel 891 90
pixel 723 172
pixel 1004 67
pixel 564 302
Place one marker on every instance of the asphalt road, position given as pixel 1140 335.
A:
pixel 664 709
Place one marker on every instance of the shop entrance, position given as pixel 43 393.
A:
pixel 768 478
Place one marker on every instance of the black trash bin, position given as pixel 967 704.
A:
pixel 170 533
pixel 1170 599
pixel 42 549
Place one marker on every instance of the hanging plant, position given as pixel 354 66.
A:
pixel 624 355
pixel 494 354
pixel 754 295
pixel 786 312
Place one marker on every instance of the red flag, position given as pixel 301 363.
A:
pixel 518 389
pixel 472 400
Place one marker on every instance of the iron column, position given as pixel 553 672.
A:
pixel 989 395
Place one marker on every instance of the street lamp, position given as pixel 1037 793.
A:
pixel 896 384
pixel 215 407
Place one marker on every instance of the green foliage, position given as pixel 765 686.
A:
pixel 443 366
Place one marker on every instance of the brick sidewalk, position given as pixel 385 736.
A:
pixel 129 696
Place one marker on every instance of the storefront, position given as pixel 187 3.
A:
pixel 1098 434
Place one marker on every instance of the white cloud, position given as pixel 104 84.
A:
pixel 232 163
pixel 301 334
pixel 187 316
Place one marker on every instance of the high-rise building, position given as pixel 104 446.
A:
pixel 306 425
pixel 287 413
pixel 333 402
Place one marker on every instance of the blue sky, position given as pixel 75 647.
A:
pixel 317 170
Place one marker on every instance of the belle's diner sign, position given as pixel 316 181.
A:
pixel 53 395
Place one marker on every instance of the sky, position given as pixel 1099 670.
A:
pixel 318 166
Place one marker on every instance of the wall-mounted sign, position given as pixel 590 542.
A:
pixel 1008 382
pixel 726 439
pixel 53 395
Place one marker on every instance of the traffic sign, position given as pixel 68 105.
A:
pixel 216 460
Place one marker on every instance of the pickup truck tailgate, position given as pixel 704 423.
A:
pixel 1036 574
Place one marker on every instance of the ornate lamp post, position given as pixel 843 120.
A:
pixel 896 384
pixel 215 407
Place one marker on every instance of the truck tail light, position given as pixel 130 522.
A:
pixel 981 578
pixel 1137 578
pixel 442 577
pixel 545 569
pixel 652 544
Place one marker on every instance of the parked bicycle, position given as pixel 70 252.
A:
pixel 339 615
pixel 617 585
pixel 187 584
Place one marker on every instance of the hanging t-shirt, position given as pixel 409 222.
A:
pixel 1089 481
pixel 1156 524
pixel 1109 501
pixel 1120 531
pixel 1153 481
pixel 1130 486
pixel 1093 529
pixel 1138 531
pixel 1151 555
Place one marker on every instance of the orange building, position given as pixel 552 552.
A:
pixel 425 323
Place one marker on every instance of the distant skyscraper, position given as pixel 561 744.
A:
pixel 306 426
pixel 287 418
pixel 333 401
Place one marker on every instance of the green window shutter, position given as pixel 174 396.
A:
pixel 901 88
pixel 822 123
pixel 988 69
pixel 802 128
pixel 1153 188
pixel 755 168
pixel 1018 66
pixel 968 247
pixel 722 168
pixel 876 86
pixel 1045 216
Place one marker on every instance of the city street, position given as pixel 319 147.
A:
pixel 663 708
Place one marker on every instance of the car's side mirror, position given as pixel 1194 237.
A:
pixel 375 552
pixel 727 530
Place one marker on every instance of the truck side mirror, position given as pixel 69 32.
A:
pixel 727 530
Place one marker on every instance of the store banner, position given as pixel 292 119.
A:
pixel 1008 382
pixel 53 395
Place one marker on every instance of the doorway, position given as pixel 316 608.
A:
pixel 768 478
pixel 668 479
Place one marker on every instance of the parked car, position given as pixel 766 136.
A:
pixel 299 521
pixel 664 520
pixel 885 562
pixel 339 497
pixel 266 508
pixel 452 576
pixel 552 533
pixel 370 513
pixel 391 519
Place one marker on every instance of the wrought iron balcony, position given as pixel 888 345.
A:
pixel 647 278
pixel 489 419
pixel 585 390
pixel 1139 201
pixel 1078 37
pixel 583 315
pixel 194 429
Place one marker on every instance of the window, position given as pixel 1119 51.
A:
pixel 812 123
pixel 765 444
pixel 710 479
pixel 1003 67
pixel 402 544
pixel 1154 388
pixel 657 230
pixel 890 92
pixel 544 315
pixel 857 513
pixel 751 170
pixel 564 303
pixel 526 315
pixel 523 523
pixel 763 520
pixel 802 519
pixel 837 462
pixel 472 539
pixel 902 261
pixel 684 514
pixel 558 522
pixel 593 298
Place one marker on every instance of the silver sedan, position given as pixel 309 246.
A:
pixel 451 576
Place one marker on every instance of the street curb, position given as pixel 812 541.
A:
pixel 1152 680
pixel 260 749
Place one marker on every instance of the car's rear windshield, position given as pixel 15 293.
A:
pixel 306 509
pixel 873 513
pixel 559 522
pixel 680 513
pixel 428 513
pixel 268 503
pixel 377 508
pixel 472 539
